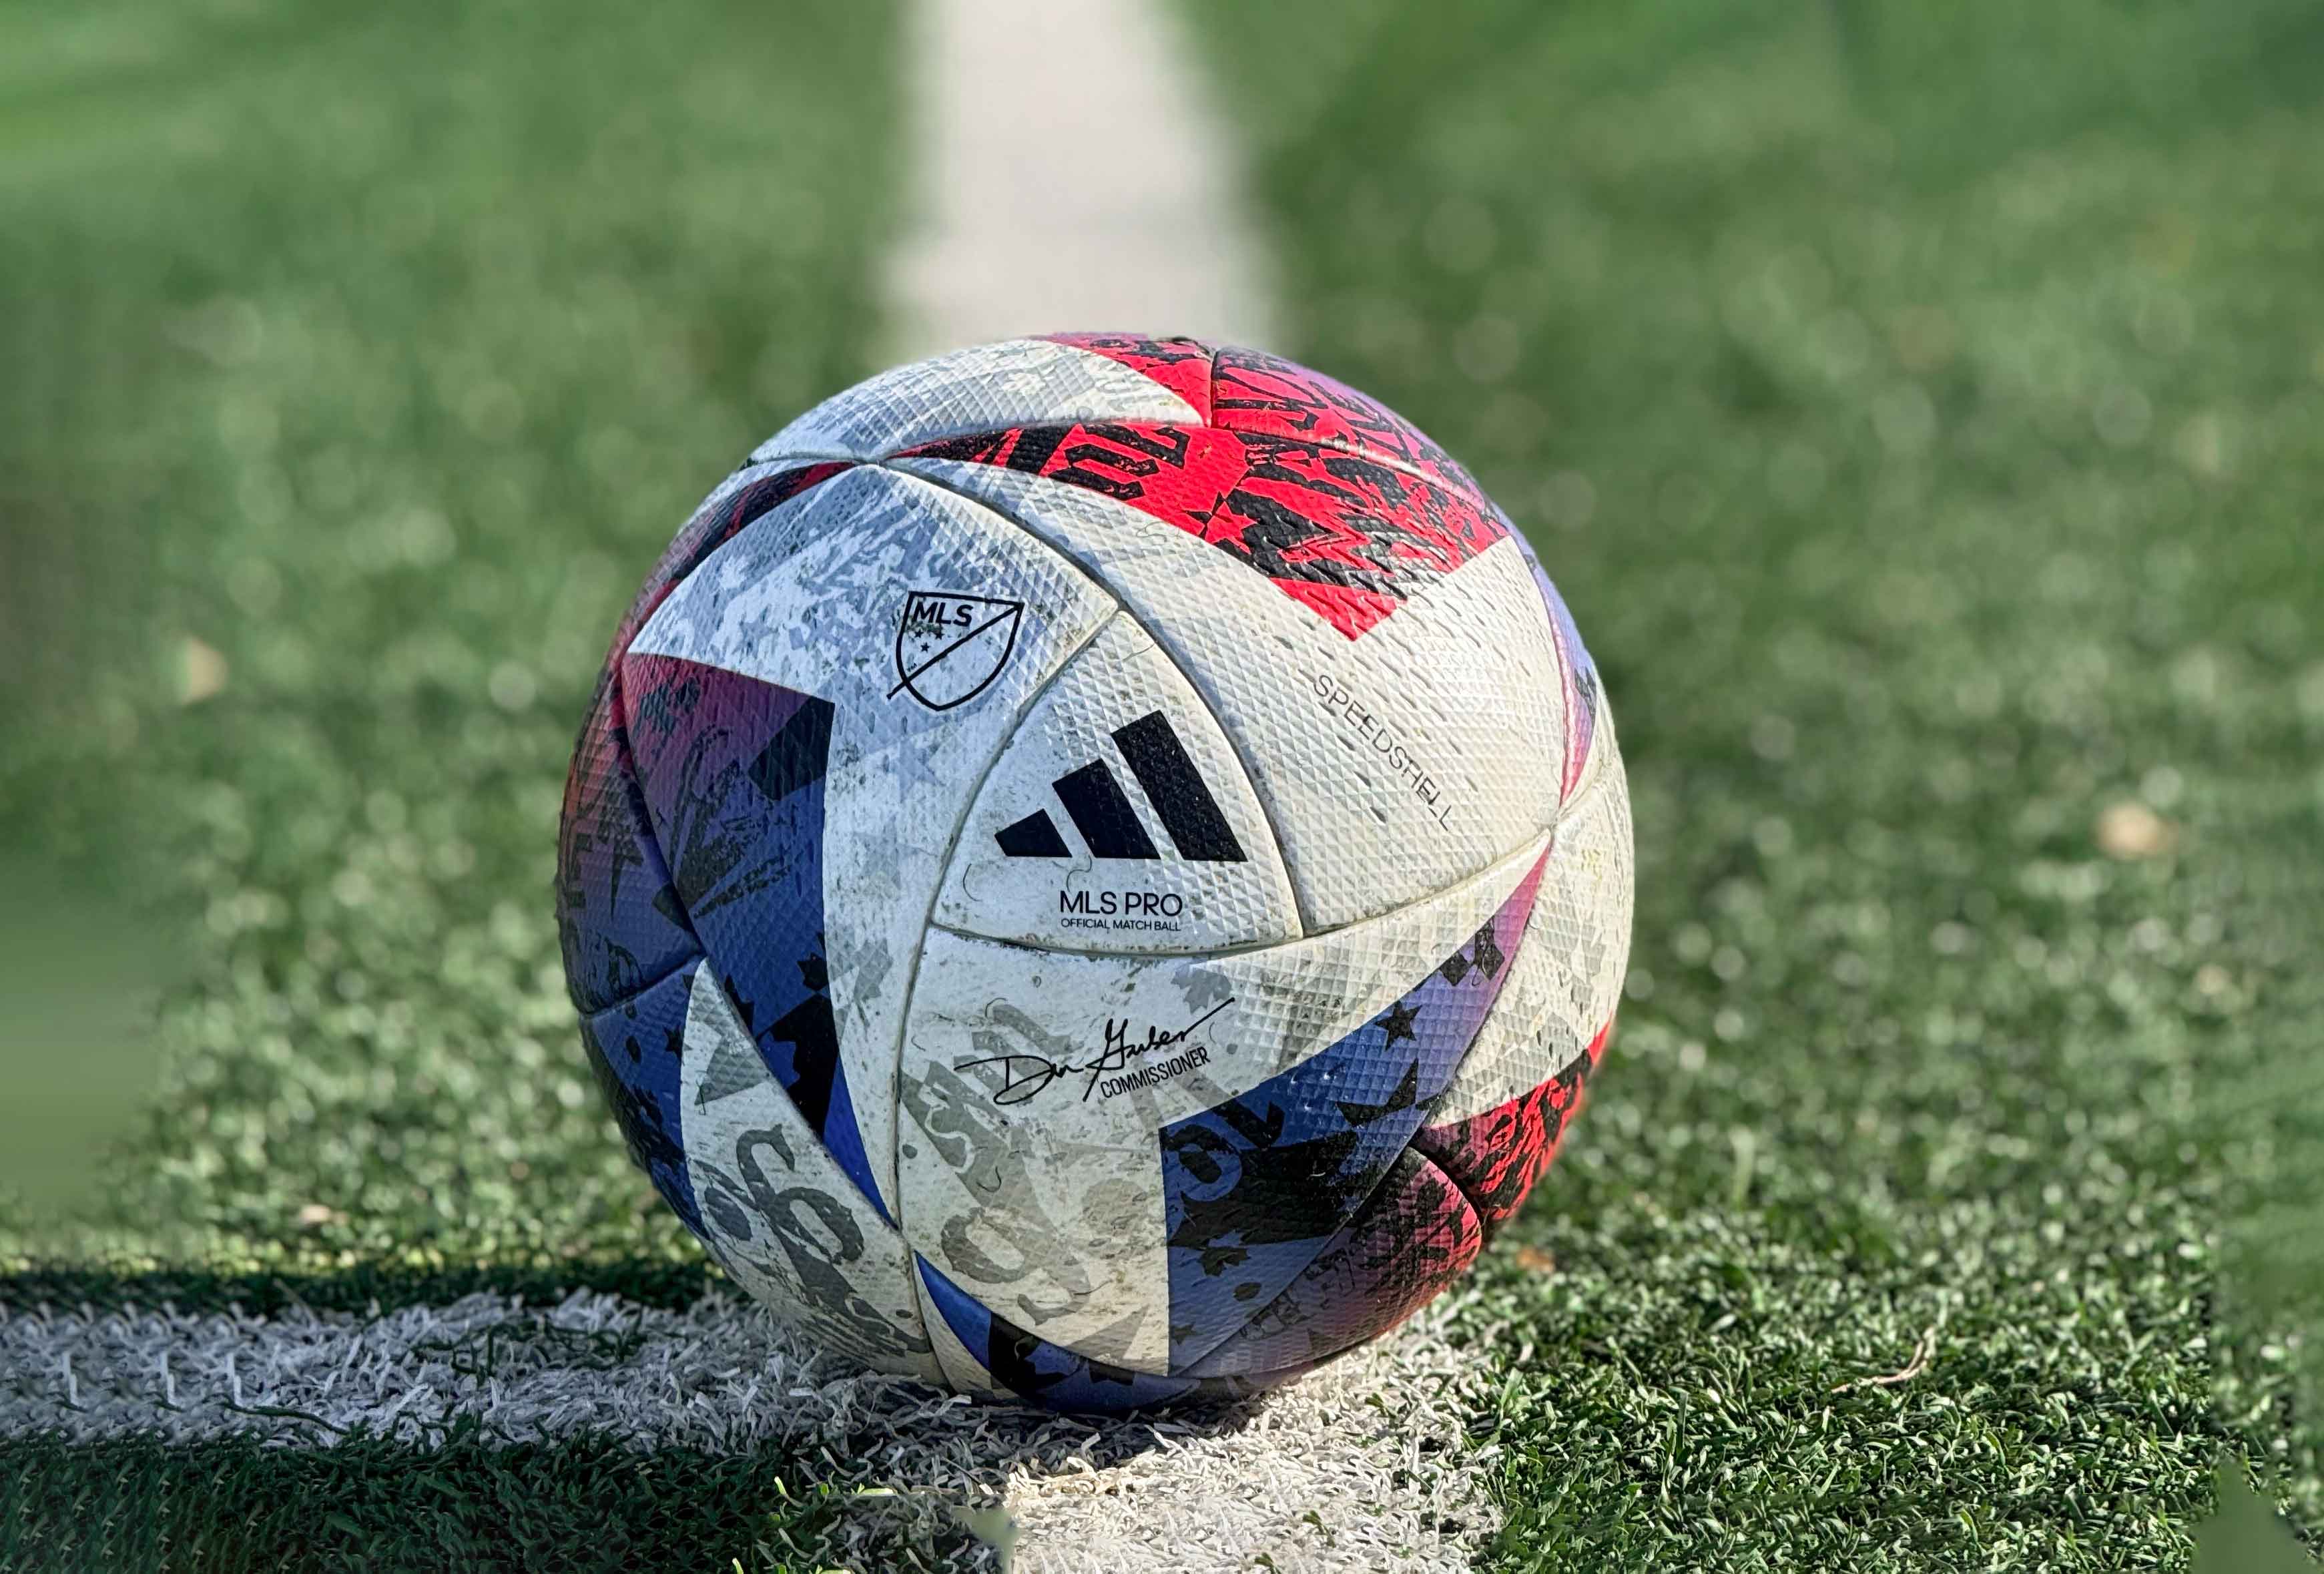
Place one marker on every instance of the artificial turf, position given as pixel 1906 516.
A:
pixel 378 350
pixel 468 1503
pixel 442 314
pixel 1920 409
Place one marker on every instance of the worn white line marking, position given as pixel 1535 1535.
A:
pixel 1371 1447
pixel 1069 176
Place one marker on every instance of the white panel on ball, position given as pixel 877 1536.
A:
pixel 778 1214
pixel 1120 818
pixel 1029 1172
pixel 1019 382
pixel 822 597
pixel 1567 978
pixel 964 1372
pixel 1391 765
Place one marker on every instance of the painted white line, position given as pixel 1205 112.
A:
pixel 1371 1448
pixel 1068 176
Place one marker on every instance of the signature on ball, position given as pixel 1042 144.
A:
pixel 1108 1072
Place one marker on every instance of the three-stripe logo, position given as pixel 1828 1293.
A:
pixel 1108 822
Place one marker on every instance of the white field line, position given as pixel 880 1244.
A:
pixel 1371 1447
pixel 1068 176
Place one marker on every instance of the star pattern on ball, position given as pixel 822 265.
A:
pixel 1396 1023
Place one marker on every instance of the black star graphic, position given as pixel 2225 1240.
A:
pixel 1218 1259
pixel 1406 1097
pixel 1396 1023
pixel 1487 952
pixel 815 975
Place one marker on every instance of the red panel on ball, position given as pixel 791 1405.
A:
pixel 1347 534
pixel 1244 390
pixel 1414 1236
pixel 1258 392
pixel 1498 1155
pixel 1183 366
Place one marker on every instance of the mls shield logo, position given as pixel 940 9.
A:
pixel 950 645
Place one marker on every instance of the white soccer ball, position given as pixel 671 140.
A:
pixel 1096 871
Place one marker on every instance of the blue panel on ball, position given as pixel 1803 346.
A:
pixel 1254 1189
pixel 618 919
pixel 842 1135
pixel 733 771
pixel 636 1049
pixel 1055 1377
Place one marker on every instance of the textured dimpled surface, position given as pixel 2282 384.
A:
pixel 1096 871
pixel 1040 861
pixel 1391 763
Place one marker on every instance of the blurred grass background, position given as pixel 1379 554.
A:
pixel 354 362
pixel 1920 407
pixel 360 358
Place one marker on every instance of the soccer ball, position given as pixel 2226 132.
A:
pixel 1096 871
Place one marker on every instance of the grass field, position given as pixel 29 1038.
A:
pixel 382 347
pixel 437 314
pixel 1920 409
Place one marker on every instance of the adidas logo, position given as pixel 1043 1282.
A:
pixel 1102 811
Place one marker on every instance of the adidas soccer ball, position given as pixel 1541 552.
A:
pixel 1095 871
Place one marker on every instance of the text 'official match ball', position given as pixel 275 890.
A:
pixel 1096 870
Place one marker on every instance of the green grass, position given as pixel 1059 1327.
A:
pixel 1922 409
pixel 379 350
pixel 437 320
pixel 468 1504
